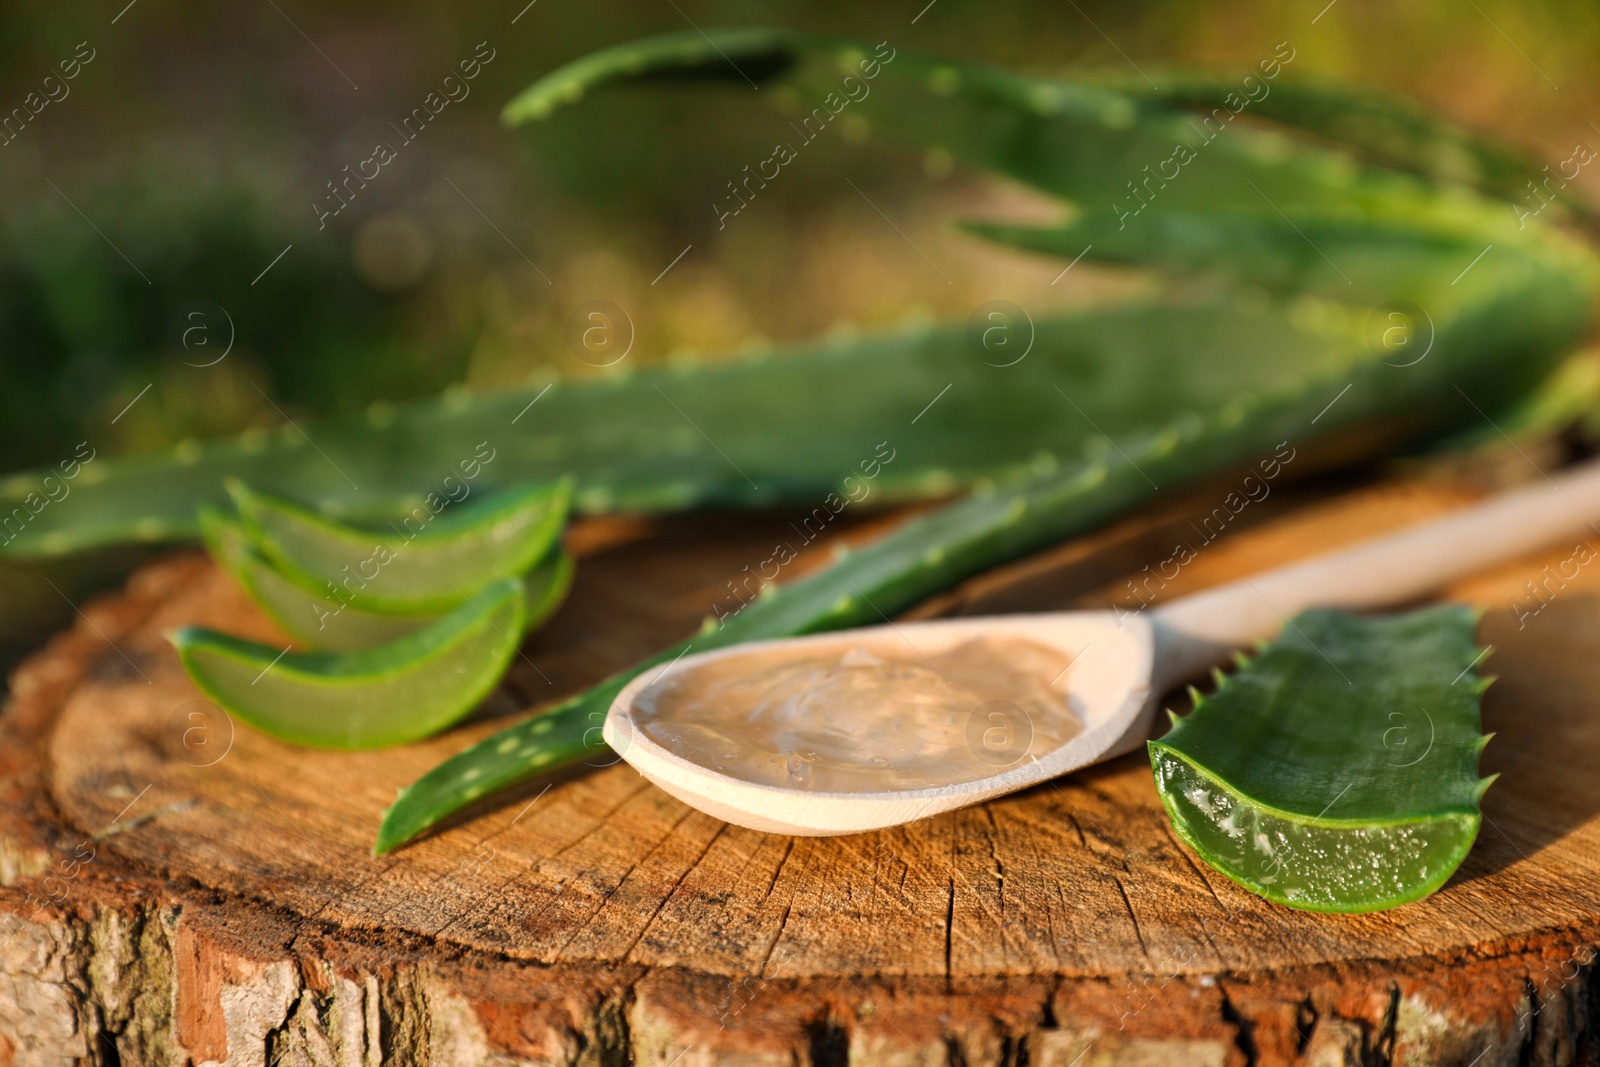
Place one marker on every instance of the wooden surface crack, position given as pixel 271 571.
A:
pixel 1199 874
pixel 1137 930
pixel 498 891
pixel 949 928
pixel 580 927
pixel 1083 838
pixel 783 924
pixel 788 850
pixel 999 867
pixel 627 953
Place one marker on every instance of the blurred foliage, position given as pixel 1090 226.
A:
pixel 188 154
pixel 190 151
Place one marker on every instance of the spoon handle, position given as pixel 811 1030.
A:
pixel 1200 631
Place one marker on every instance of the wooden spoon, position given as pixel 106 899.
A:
pixel 1121 663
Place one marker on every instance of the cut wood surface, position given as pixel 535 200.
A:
pixel 178 888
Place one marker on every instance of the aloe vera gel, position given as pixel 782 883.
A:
pixel 873 719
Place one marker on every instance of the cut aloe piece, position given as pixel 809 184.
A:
pixel 1338 771
pixel 313 621
pixel 424 563
pixel 399 692
pixel 321 623
pixel 545 588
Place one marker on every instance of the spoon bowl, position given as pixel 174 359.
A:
pixel 1106 686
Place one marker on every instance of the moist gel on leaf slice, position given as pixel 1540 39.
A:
pixel 321 623
pixel 399 692
pixel 1338 771
pixel 422 564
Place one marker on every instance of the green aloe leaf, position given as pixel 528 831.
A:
pixel 545 588
pixel 785 431
pixel 1116 156
pixel 1338 770
pixel 318 622
pixel 1382 127
pixel 1364 260
pixel 424 563
pixel 314 621
pixel 402 691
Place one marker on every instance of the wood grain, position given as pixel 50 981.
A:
pixel 232 911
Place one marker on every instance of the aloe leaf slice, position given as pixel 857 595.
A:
pixel 422 564
pixel 313 621
pixel 545 588
pixel 318 622
pixel 1338 770
pixel 402 691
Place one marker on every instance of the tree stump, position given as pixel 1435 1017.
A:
pixel 180 890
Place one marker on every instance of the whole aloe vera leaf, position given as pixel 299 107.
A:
pixel 402 691
pixel 1095 145
pixel 1338 770
pixel 1377 404
pixel 784 428
pixel 321 623
pixel 425 563
pixel 1382 127
pixel 1352 260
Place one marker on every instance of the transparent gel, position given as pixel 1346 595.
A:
pixel 873 719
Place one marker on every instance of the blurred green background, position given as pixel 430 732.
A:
pixel 141 213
